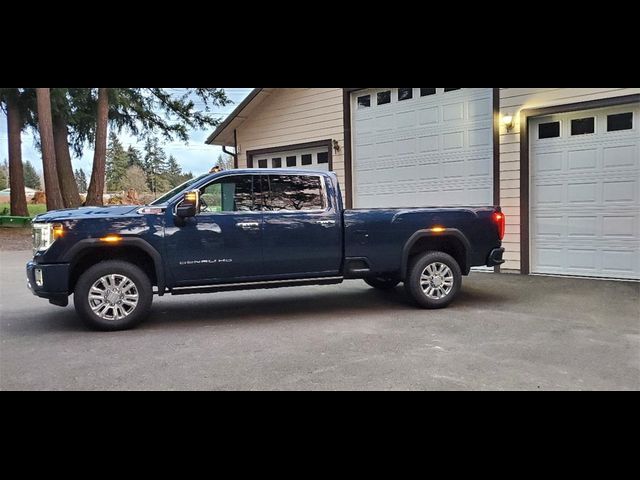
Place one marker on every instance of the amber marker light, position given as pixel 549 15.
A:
pixel 437 229
pixel 58 230
pixel 111 238
pixel 190 197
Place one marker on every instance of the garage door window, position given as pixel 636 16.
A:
pixel 450 89
pixel 582 126
pixel 276 162
pixel 323 157
pixel 620 121
pixel 364 101
pixel 405 94
pixel 424 92
pixel 384 97
pixel 306 159
pixel 291 161
pixel 262 163
pixel 549 130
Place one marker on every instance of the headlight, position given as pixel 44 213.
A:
pixel 44 234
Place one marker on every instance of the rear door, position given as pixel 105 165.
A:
pixel 302 228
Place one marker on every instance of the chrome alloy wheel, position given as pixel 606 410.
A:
pixel 436 280
pixel 113 297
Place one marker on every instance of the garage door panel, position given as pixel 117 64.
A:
pixel 441 145
pixel 585 205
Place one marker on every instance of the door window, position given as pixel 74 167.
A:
pixel 229 194
pixel 294 192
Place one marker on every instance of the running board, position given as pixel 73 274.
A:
pixel 228 287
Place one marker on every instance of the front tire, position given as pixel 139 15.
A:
pixel 434 279
pixel 381 283
pixel 113 295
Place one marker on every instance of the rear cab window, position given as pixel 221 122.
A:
pixel 293 193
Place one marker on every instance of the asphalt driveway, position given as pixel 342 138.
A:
pixel 503 332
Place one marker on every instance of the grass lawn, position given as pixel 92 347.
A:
pixel 33 209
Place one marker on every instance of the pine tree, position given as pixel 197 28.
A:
pixel 96 184
pixel 31 177
pixel 81 180
pixel 117 163
pixel 155 166
pixel 4 175
pixel 45 127
pixel 134 158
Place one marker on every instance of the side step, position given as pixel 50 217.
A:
pixel 228 287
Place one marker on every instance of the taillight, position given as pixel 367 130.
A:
pixel 498 217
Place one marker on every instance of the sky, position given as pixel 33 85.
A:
pixel 195 156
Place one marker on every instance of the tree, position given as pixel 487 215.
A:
pixel 15 124
pixel 81 180
pixel 51 183
pixel 155 166
pixel 117 163
pixel 225 161
pixel 96 185
pixel 135 179
pixel 60 114
pixel 134 157
pixel 4 175
pixel 31 177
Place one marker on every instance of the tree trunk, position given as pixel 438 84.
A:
pixel 18 199
pixel 96 185
pixel 66 179
pixel 51 185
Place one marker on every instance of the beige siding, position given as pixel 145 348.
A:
pixel 295 115
pixel 512 101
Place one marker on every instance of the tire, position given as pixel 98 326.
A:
pixel 437 285
pixel 124 315
pixel 381 283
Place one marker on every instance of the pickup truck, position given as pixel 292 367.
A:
pixel 247 229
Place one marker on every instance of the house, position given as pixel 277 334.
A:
pixel 564 163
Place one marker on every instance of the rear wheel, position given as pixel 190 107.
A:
pixel 113 295
pixel 434 279
pixel 381 283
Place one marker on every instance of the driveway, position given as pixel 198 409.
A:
pixel 503 332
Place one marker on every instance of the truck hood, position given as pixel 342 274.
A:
pixel 86 212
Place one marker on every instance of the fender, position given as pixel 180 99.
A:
pixel 88 243
pixel 448 232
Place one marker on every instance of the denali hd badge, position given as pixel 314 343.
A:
pixel 206 260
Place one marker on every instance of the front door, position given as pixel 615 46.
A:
pixel 302 234
pixel 224 241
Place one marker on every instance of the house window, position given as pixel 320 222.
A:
pixel 262 163
pixel 291 161
pixel 323 157
pixel 384 97
pixel 582 126
pixel 619 121
pixel 451 89
pixel 427 91
pixel 549 130
pixel 306 159
pixel 405 94
pixel 276 162
pixel 364 101
pixel 294 192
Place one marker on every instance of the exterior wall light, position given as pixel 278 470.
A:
pixel 507 121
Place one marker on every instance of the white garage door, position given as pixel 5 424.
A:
pixel 422 147
pixel 585 193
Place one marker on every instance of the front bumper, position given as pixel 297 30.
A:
pixel 495 257
pixel 55 281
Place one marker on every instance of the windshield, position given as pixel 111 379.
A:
pixel 164 198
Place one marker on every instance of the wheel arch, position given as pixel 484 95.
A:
pixel 451 241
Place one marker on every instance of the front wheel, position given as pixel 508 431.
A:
pixel 113 295
pixel 433 280
pixel 381 283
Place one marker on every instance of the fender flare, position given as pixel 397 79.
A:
pixel 89 243
pixel 448 232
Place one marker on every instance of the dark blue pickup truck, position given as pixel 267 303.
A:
pixel 244 229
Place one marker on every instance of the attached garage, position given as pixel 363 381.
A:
pixel 585 193
pixel 422 147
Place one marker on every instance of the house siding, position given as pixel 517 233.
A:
pixel 290 116
pixel 512 101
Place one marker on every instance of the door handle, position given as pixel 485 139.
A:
pixel 248 225
pixel 326 223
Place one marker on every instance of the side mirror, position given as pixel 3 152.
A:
pixel 189 206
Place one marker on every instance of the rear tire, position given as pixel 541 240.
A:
pixel 113 295
pixel 433 280
pixel 381 283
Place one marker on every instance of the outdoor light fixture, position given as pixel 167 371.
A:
pixel 336 146
pixel 507 121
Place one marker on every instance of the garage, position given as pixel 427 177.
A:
pixel 422 147
pixel 585 193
